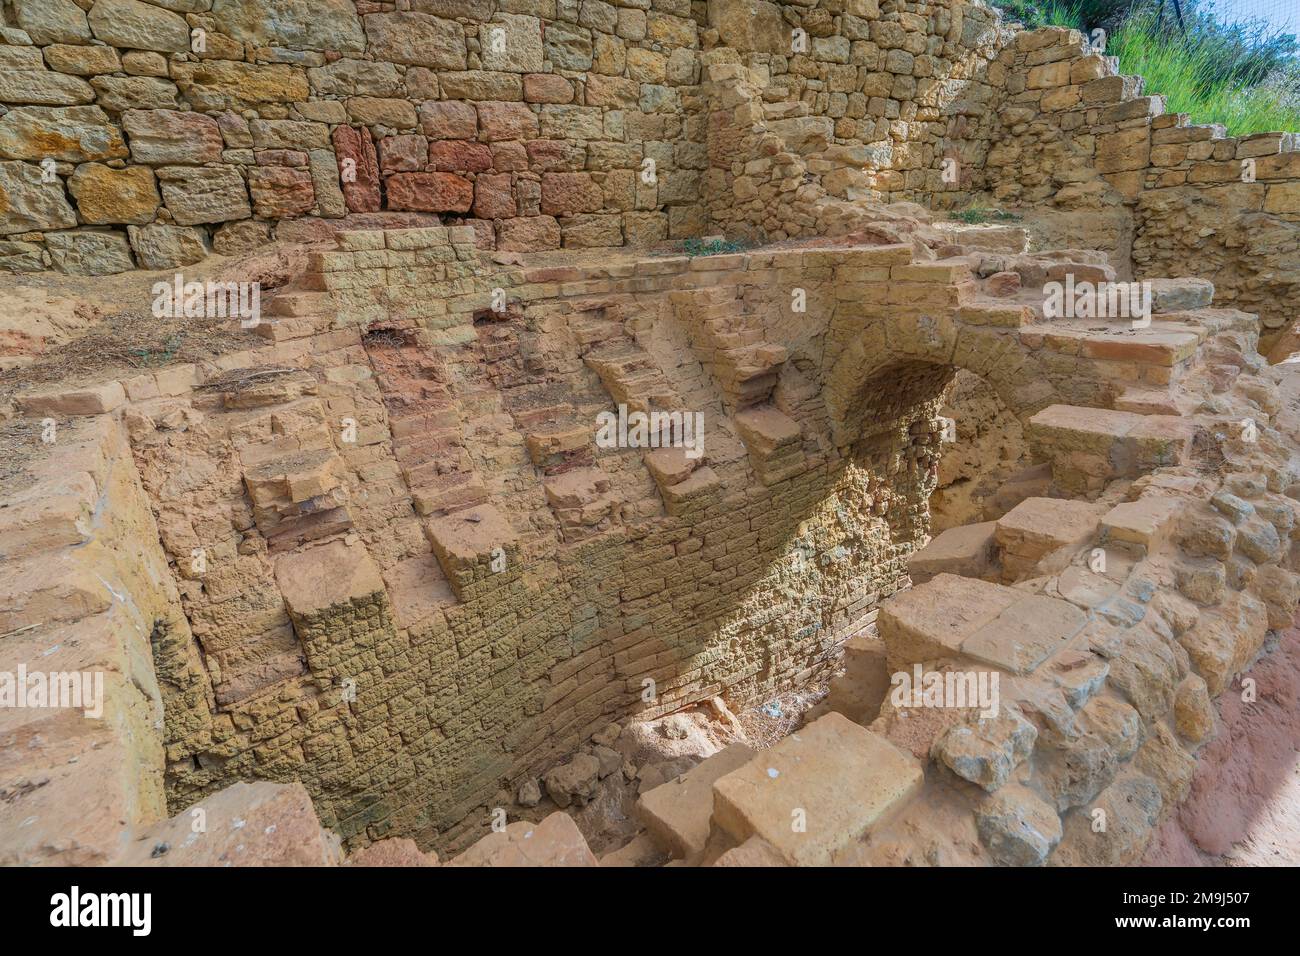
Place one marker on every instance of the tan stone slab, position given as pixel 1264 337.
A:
pixel 71 792
pixel 1039 526
pixel 966 550
pixel 932 620
pixel 1146 401
pixel 258 824
pixel 1160 440
pixel 1099 423
pixel 860 690
pixel 753 852
pixel 315 579
pixel 1025 634
pixel 679 813
pixel 465 537
pixel 1145 521
pixel 556 841
pixel 834 777
pixel 669 466
pixel 87 400
pixel 397 851
pixel 764 429
pixel 1164 348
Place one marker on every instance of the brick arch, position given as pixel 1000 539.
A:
pixel 898 364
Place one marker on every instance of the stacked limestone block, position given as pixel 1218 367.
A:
pixel 143 134
pixel 1127 615
pixel 872 97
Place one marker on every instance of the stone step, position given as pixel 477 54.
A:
pixel 817 792
pixel 968 550
pixel 999 313
pixel 257 824
pixel 774 441
pixel 1160 344
pixel 472 545
pixel 556 841
pixel 859 691
pixel 1146 400
pixel 957 618
pixel 296 304
pixel 618 360
pixel 679 814
pixel 286 329
pixel 669 466
pixel 448 493
pixel 580 500
pixel 1146 522
pixel 1038 527
pixel 1090 446
pixel 559 444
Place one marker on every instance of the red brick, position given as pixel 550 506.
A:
pixel 403 154
pixel 509 157
pixel 361 192
pixel 547 88
pixel 450 120
pixel 458 155
pixel 429 192
pixel 553 154
pixel 280 192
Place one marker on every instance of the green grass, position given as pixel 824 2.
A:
pixel 977 215
pixel 711 247
pixel 1186 75
pixel 1214 74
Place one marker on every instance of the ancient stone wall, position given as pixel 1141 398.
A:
pixel 142 132
pixel 1166 196
pixel 415 580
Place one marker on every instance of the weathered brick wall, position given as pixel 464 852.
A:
pixel 332 504
pixel 877 95
pixel 143 133
pixel 529 119
pixel 466 681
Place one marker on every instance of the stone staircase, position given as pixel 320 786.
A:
pixel 425 420
pixel 1106 612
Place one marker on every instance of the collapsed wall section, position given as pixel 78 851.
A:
pixel 440 604
pixel 414 573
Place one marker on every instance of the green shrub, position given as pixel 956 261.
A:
pixel 978 214
pixel 711 247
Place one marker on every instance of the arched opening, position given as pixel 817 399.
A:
pixel 986 467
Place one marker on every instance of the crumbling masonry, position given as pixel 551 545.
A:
pixel 382 558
